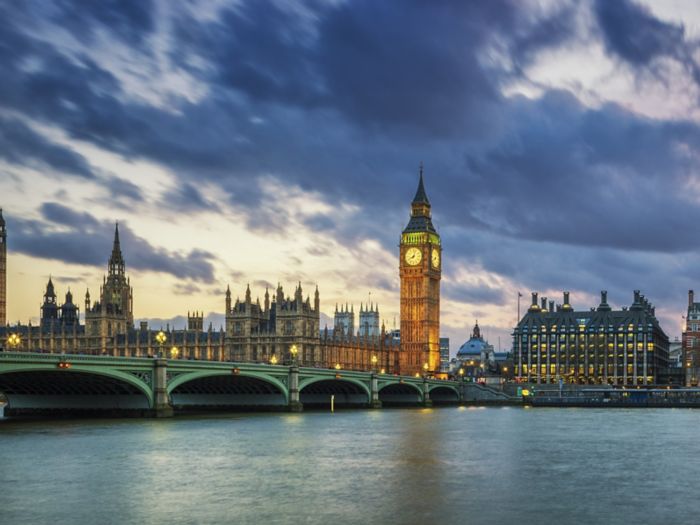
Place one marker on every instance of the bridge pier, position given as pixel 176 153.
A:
pixel 427 402
pixel 162 407
pixel 295 404
pixel 374 402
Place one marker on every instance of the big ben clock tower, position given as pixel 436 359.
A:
pixel 420 269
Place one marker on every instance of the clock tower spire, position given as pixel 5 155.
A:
pixel 420 271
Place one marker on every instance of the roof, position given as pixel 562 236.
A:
pixel 421 197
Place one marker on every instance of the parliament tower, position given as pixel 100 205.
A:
pixel 420 269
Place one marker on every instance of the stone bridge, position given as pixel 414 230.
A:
pixel 38 383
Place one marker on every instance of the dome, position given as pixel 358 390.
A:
pixel 474 346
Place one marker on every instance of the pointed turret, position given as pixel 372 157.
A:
pixel 421 197
pixel 116 261
pixel 420 210
pixel 50 292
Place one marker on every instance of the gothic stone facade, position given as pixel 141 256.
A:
pixel 420 271
pixel 255 331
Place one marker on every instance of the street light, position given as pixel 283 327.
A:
pixel 293 350
pixel 174 351
pixel 161 338
pixel 425 370
pixel 337 366
pixel 273 359
pixel 14 340
pixel 374 363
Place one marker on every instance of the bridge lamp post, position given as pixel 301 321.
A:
pixel 174 351
pixel 293 351
pixel 273 359
pixel 14 340
pixel 337 366
pixel 425 370
pixel 160 339
pixel 374 363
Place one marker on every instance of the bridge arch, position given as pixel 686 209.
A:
pixel 443 394
pixel 400 393
pixel 46 388
pixel 223 388
pixel 348 391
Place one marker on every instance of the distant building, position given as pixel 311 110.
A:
pixel 477 358
pixel 444 354
pixel 691 341
pixel 600 345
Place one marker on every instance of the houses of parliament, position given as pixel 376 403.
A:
pixel 254 331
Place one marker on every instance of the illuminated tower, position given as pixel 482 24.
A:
pixel 3 271
pixel 419 269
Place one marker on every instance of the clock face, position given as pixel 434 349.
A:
pixel 413 256
pixel 435 258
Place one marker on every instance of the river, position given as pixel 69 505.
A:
pixel 444 465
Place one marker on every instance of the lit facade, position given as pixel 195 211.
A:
pixel 255 331
pixel 691 342
pixel 420 267
pixel 596 346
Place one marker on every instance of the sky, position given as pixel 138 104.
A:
pixel 251 142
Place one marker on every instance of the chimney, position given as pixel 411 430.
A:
pixel 544 303
pixel 551 306
pixel 636 296
pixel 603 296
pixel 566 298
pixel 534 298
pixel 691 298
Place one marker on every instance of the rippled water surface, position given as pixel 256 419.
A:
pixel 447 465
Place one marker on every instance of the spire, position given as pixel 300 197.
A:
pixel 116 261
pixel 421 197
pixel 49 288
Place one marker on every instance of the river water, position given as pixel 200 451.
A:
pixel 443 465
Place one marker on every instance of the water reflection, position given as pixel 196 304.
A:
pixel 447 465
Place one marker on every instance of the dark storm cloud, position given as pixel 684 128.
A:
pixel 346 99
pixel 129 20
pixel 122 190
pixel 186 197
pixel 474 293
pixel 633 33
pixel 82 239
pixel 598 177
pixel 20 145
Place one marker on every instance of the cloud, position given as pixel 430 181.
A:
pixel 83 239
pixel 22 146
pixel 341 101
pixel 632 33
